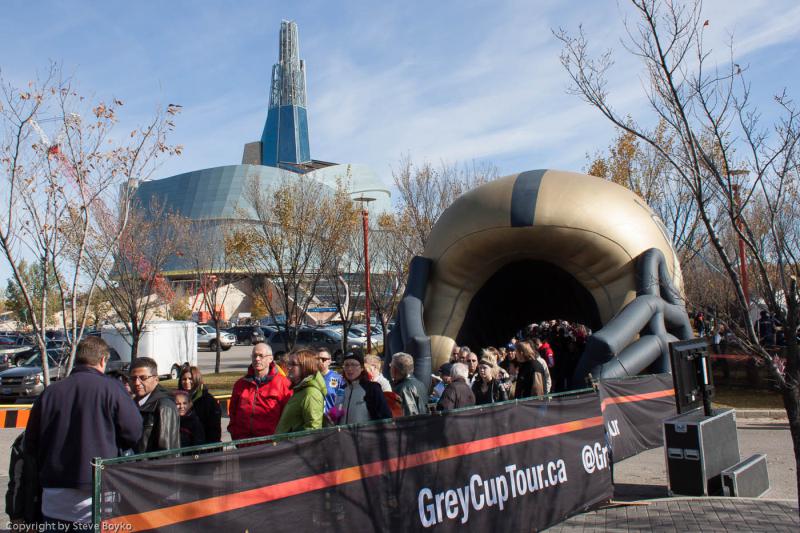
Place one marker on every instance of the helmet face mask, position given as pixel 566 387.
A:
pixel 541 245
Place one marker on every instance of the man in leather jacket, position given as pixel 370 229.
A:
pixel 162 426
pixel 413 394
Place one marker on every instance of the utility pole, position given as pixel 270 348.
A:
pixel 365 226
pixel 737 197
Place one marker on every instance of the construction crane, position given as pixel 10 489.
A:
pixel 54 148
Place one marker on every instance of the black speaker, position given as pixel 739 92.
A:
pixel 697 449
pixel 748 479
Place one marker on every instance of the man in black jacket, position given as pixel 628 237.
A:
pixel 162 426
pixel 458 393
pixel 84 416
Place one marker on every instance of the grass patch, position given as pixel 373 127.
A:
pixel 221 383
pixel 744 398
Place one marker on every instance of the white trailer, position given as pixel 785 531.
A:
pixel 170 343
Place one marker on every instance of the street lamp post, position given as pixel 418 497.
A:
pixel 364 200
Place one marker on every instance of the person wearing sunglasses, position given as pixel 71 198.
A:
pixel 333 380
pixel 258 399
pixel 161 423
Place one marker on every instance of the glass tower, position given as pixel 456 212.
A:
pixel 284 142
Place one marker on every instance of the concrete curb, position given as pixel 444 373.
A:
pixel 778 414
pixel 704 498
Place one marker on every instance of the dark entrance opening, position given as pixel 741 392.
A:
pixel 519 294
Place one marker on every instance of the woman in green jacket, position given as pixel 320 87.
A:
pixel 305 407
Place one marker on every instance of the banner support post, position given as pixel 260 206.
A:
pixel 97 466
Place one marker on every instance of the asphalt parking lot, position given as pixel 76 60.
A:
pixel 237 359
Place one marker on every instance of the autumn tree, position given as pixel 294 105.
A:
pixel 641 168
pixel 179 307
pixel 61 165
pixel 133 283
pixel 742 172
pixel 424 192
pixel 291 230
pixel 32 278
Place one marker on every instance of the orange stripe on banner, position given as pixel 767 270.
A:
pixel 230 502
pixel 637 397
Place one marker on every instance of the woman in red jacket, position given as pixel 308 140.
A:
pixel 258 398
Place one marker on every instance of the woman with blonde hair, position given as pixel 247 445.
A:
pixel 306 406
pixel 487 388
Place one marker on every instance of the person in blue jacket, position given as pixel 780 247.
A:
pixel 333 380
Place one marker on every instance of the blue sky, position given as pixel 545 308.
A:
pixel 440 81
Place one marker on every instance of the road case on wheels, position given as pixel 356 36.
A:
pixel 697 449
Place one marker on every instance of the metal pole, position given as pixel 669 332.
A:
pixel 365 221
pixel 97 493
pixel 742 256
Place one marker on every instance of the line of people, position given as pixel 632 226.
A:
pixel 89 415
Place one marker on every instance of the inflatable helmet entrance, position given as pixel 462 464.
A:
pixel 540 245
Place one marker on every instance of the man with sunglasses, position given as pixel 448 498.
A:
pixel 84 416
pixel 161 422
pixel 333 380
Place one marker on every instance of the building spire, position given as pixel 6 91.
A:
pixel 285 136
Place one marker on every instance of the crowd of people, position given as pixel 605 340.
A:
pixel 90 414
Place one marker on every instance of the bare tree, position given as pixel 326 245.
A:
pixel 347 291
pixel 642 169
pixel 390 260
pixel 132 283
pixel 206 252
pixel 298 226
pixel 424 192
pixel 61 166
pixel 742 174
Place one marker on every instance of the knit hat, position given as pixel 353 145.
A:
pixel 445 369
pixel 354 355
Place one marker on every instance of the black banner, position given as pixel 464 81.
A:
pixel 633 411
pixel 508 467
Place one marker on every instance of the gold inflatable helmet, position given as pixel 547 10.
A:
pixel 542 245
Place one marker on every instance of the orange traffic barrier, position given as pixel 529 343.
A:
pixel 14 416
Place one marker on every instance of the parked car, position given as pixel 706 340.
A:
pixel 207 338
pixel 10 347
pixel 247 334
pixel 309 337
pixel 59 345
pixel 26 380
pixel 361 331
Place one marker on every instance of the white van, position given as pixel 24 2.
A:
pixel 170 343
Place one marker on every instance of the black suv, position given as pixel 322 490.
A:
pixel 247 334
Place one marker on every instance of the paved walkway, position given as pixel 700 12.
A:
pixel 640 487
pixel 689 514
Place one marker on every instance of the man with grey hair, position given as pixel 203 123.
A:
pixel 458 393
pixel 413 394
